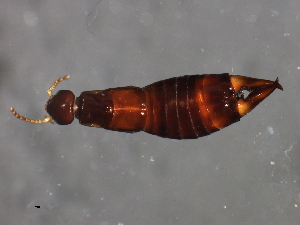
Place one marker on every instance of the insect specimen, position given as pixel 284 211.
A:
pixel 185 107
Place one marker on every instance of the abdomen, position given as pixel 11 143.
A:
pixel 190 106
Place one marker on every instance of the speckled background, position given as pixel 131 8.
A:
pixel 247 173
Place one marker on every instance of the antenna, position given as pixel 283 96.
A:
pixel 47 118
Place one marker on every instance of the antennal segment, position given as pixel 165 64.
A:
pixel 49 92
pixel 17 115
pixel 47 118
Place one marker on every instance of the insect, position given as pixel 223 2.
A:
pixel 185 107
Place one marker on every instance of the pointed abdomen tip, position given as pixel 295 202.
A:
pixel 278 85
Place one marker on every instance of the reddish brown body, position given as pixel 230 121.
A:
pixel 174 108
pixel 184 107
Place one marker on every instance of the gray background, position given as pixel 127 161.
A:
pixel 247 173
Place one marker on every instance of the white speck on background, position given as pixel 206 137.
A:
pixel 251 18
pixel 270 129
pixel 146 19
pixel 30 19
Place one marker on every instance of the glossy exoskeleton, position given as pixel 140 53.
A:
pixel 185 107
